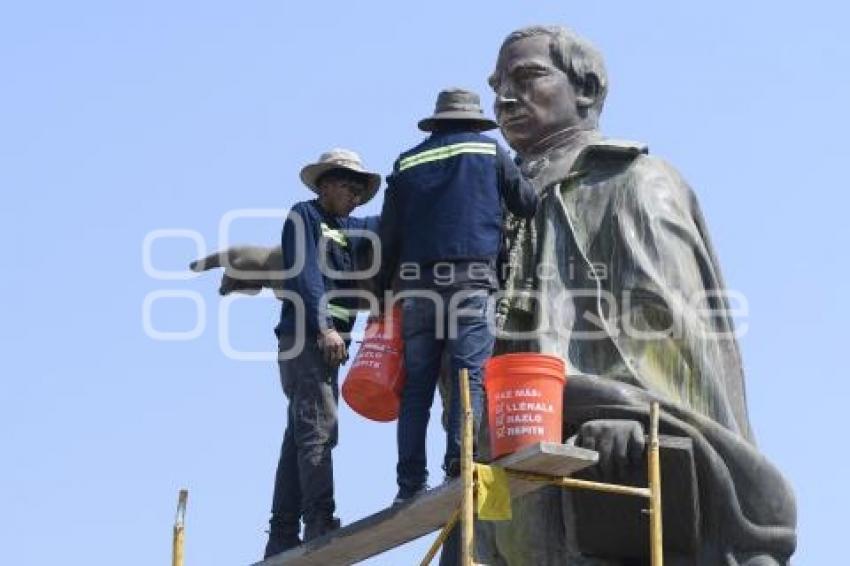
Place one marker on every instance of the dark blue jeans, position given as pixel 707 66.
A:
pixel 304 484
pixel 455 321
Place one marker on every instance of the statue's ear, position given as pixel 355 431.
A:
pixel 588 91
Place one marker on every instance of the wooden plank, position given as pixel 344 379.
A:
pixel 427 513
pixel 547 458
pixel 376 533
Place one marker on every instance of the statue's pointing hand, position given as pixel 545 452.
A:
pixel 620 444
pixel 247 269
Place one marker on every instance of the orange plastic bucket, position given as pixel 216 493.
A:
pixel 525 394
pixel 376 377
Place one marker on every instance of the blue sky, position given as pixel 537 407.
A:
pixel 118 119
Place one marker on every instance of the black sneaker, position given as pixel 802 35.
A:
pixel 320 527
pixel 404 495
pixel 278 544
pixel 452 469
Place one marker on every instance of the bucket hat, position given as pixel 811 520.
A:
pixel 339 158
pixel 458 104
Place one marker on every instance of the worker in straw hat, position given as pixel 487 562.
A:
pixel 440 235
pixel 312 333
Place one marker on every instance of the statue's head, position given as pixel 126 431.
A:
pixel 547 79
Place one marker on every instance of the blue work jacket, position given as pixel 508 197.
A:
pixel 445 202
pixel 330 236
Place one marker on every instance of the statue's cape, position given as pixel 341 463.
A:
pixel 672 328
pixel 663 330
pixel 655 300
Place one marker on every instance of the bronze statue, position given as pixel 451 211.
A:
pixel 616 274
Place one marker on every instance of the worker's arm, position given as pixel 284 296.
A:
pixel 365 249
pixel 371 223
pixel 518 193
pixel 362 244
pixel 390 235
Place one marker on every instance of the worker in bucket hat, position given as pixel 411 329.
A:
pixel 313 339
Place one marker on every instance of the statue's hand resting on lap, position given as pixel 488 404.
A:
pixel 620 444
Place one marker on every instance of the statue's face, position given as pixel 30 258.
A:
pixel 534 98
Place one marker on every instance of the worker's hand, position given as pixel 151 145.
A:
pixel 239 262
pixel 333 347
pixel 620 444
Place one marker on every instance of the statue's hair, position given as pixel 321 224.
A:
pixel 571 53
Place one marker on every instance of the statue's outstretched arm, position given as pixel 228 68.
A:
pixel 247 269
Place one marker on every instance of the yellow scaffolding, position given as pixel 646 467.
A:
pixel 465 514
pixel 179 524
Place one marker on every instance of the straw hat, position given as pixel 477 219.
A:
pixel 340 159
pixel 458 104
